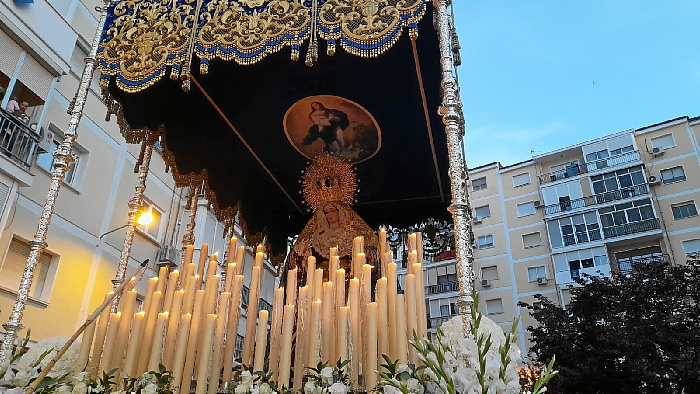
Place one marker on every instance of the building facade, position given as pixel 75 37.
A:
pixel 43 46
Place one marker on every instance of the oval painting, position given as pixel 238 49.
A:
pixel 332 124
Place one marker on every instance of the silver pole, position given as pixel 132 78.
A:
pixel 62 157
pixel 135 204
pixel 452 116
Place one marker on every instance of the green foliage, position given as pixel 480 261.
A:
pixel 633 332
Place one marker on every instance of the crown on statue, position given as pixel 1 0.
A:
pixel 330 178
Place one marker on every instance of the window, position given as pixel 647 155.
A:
pixel 153 229
pixel 630 212
pixel 484 241
pixel 489 273
pixel 45 161
pixel 674 174
pixel 599 155
pixel 521 179
pixel 494 306
pixel 532 240
pixel 684 210
pixel 619 151
pixel 482 212
pixel 14 264
pixel 622 179
pixel 479 184
pixel 663 142
pixel 534 273
pixel 691 246
pixel 526 209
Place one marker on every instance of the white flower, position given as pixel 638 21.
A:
pixel 241 389
pixel 246 379
pixel 403 368
pixel 64 388
pixel 98 389
pixel 309 387
pixel 255 390
pixel 414 386
pixel 338 388
pixel 15 390
pixel 265 389
pixel 22 378
pixel 391 390
pixel 150 388
pixel 327 375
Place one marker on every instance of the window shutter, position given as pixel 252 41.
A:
pixel 11 52
pixel 16 261
pixel 35 77
pixel 4 192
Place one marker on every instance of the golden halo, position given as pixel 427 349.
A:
pixel 329 178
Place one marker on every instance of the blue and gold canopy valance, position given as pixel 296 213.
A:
pixel 143 39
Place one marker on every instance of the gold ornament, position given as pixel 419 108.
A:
pixel 329 179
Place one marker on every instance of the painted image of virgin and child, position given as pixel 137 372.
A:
pixel 329 125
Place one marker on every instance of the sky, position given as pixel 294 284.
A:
pixel 538 75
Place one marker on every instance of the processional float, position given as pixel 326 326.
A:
pixel 241 96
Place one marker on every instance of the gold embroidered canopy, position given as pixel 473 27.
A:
pixel 145 37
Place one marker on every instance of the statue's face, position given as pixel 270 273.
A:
pixel 331 213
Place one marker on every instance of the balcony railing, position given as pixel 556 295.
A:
pixel 442 288
pixel 612 161
pixel 577 238
pixel 17 140
pixel 626 266
pixel 631 228
pixel 568 172
pixel 435 322
pixel 601 198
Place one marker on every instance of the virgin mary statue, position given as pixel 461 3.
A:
pixel 329 186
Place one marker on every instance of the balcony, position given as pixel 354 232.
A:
pixel 631 228
pixel 435 322
pixel 442 288
pixel 571 171
pixel 612 161
pixel 582 237
pixel 628 265
pixel 17 141
pixel 579 203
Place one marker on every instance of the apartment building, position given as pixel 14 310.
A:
pixel 43 46
pixel 597 207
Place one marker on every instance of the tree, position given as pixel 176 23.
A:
pixel 634 332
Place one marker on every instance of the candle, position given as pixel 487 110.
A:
pixel 292 286
pixel 365 298
pixel 314 356
pixel 170 290
pixel 181 351
pixel 259 258
pixel 213 265
pixel 100 333
pixel 253 300
pixel 190 292
pixel 261 341
pixel 310 269
pixel 360 260
pixel 391 292
pixel 419 247
pixel 371 348
pixel 162 278
pixel 211 290
pixel 231 251
pixel 422 319
pixel 230 274
pixel 203 254
pixel 343 320
pixel 232 325
pixel 260 249
pixel 328 324
pixel 411 242
pixel 382 251
pixel 382 317
pixel 276 330
pixel 412 258
pixel 154 360
pixel 400 333
pixel 318 284
pixel 85 345
pixel 171 336
pixel 224 303
pixel 128 303
pixel 133 346
pixel 152 283
pixel 189 252
pixel 334 251
pixel 285 364
pixel 411 307
pixel 358 246
pixel 193 340
pixel 340 288
pixel 355 337
pixel 205 355
pixel 189 273
pixel 334 264
pixel 302 332
pixel 110 342
pixel 149 332
pixel 240 255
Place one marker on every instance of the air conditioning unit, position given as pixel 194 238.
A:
pixel 46 141
pixel 542 281
pixel 538 204
pixel 169 255
pixel 485 283
pixel 654 180
pixel 476 220
pixel 657 151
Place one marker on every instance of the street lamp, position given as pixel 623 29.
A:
pixel 143 218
